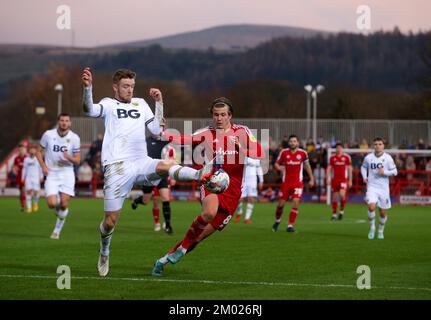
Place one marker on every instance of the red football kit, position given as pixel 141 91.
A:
pixel 293 163
pixel 339 164
pixel 227 156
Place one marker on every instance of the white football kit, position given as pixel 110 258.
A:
pixel 124 151
pixel 32 173
pixel 61 177
pixel 378 185
pixel 253 170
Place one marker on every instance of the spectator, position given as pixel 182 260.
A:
pixel 309 146
pixel 364 144
pixel 421 144
pixel 410 165
pixel 428 166
pixel 285 142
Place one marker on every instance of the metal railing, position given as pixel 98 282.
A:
pixel 395 131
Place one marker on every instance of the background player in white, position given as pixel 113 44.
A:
pixel 253 172
pixel 124 150
pixel 32 175
pixel 62 150
pixel 376 169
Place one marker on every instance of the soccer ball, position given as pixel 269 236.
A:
pixel 219 182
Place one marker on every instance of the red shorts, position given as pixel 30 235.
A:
pixel 156 192
pixel 338 185
pixel 294 190
pixel 226 209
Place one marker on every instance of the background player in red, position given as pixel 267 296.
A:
pixel 341 181
pixel 227 144
pixel 17 169
pixel 294 161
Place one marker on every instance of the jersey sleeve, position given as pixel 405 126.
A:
pixel 280 158
pixel 100 109
pixel 348 160
pixel 364 168
pixel 306 160
pixel 151 122
pixel 76 147
pixel 44 140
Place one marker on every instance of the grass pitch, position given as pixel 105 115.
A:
pixel 241 262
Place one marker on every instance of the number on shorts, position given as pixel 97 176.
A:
pixel 298 191
pixel 226 221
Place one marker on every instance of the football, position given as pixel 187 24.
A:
pixel 219 182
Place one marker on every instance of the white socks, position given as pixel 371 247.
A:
pixel 372 218
pixel 105 240
pixel 249 211
pixel 59 225
pixel 382 222
pixel 180 173
pixel 28 201
pixel 61 219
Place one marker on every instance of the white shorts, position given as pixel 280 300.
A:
pixel 249 189
pixel 32 184
pixel 381 197
pixel 121 176
pixel 60 181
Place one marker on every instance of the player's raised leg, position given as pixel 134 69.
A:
pixel 195 233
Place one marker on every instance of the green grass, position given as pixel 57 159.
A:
pixel 317 262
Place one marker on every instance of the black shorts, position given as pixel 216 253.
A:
pixel 162 184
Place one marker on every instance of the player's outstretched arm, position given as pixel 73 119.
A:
pixel 89 108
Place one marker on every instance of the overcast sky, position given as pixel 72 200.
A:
pixel 99 22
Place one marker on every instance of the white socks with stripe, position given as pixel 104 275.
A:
pixel 382 222
pixel 181 173
pixel 105 240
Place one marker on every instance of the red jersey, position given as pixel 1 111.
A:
pixel 226 155
pixel 19 163
pixel 294 164
pixel 339 164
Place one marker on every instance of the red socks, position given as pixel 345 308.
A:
pixel 292 217
pixel 194 232
pixel 22 199
pixel 156 215
pixel 334 207
pixel 342 203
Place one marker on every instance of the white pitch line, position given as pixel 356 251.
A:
pixel 215 282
